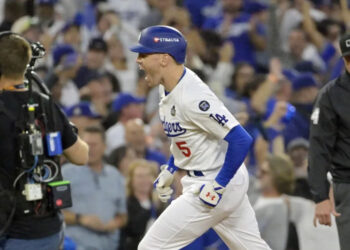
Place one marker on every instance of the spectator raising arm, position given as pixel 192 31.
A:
pixel 309 26
pixel 264 92
pixel 345 13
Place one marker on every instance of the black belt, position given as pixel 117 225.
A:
pixel 194 173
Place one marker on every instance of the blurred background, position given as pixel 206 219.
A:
pixel 265 59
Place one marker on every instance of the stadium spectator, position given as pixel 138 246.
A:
pixel 130 11
pixel 121 157
pixel 217 66
pixel 298 150
pixel 275 210
pixel 28 27
pixel 120 64
pixel 158 140
pixel 60 80
pixel 136 139
pixel 140 202
pixel 243 74
pixel 325 38
pixel 109 21
pixel 94 62
pixel 125 107
pixel 98 193
pixel 99 92
pixel 291 17
pixel 156 14
pixel 305 89
pixel 71 33
pixel 200 10
pixel 83 115
pixel 233 24
pixel 299 50
pixel 50 18
pixel 13 10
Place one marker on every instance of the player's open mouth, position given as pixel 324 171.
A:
pixel 146 76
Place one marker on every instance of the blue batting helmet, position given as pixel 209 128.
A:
pixel 162 39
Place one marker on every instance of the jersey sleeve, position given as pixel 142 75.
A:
pixel 67 133
pixel 208 113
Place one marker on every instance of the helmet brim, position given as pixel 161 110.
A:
pixel 142 49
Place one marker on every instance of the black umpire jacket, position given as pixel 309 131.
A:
pixel 330 137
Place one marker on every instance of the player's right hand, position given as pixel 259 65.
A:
pixel 163 183
pixel 211 193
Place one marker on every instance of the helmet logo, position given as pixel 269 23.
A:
pixel 166 39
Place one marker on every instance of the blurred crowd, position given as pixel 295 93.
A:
pixel 265 59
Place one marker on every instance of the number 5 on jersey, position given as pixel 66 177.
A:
pixel 184 149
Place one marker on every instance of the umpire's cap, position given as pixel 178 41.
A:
pixel 162 39
pixel 344 43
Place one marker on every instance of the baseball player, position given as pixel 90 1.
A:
pixel 207 142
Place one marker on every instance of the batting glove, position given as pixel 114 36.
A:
pixel 163 182
pixel 211 193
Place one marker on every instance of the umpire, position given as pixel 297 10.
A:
pixel 330 150
pixel 38 227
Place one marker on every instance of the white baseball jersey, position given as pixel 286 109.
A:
pixel 196 121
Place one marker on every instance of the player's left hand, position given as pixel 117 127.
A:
pixel 211 193
pixel 163 182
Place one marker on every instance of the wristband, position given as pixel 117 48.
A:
pixel 171 165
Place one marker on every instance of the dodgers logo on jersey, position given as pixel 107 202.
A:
pixel 221 119
pixel 172 129
pixel 204 105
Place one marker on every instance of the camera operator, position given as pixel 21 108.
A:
pixel 27 218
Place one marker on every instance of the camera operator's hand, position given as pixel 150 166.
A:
pixel 92 222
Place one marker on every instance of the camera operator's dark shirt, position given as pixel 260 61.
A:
pixel 26 227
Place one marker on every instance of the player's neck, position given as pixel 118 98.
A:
pixel 172 77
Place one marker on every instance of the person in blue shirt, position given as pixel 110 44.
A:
pixel 305 89
pixel 200 10
pixel 246 34
pixel 99 198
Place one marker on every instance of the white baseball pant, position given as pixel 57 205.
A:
pixel 187 218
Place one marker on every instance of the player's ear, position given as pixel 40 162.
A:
pixel 164 60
